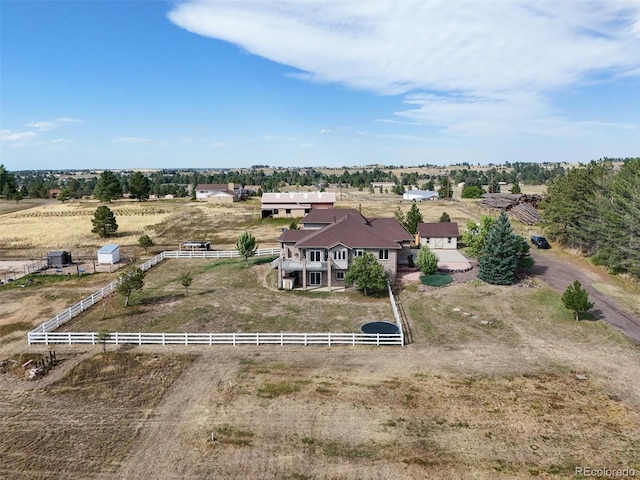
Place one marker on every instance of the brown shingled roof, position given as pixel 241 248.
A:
pixel 391 228
pixel 438 229
pixel 330 215
pixel 350 232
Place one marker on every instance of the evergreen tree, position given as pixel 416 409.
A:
pixel 576 299
pixel 446 189
pixel 104 222
pixel 516 188
pixel 139 186
pixel 499 259
pixel 246 246
pixel 427 260
pixel 108 187
pixel 130 281
pixel 366 274
pixel 444 218
pixel 414 217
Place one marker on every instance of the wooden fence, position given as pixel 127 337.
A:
pixel 44 333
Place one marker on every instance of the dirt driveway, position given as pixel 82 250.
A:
pixel 559 274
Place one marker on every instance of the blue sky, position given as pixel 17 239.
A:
pixel 209 83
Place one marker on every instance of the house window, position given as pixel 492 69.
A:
pixel 315 255
pixel 358 253
pixel 339 275
pixel 449 240
pixel 383 254
pixel 315 278
pixel 287 211
pixel 307 210
pixel 275 211
pixel 340 254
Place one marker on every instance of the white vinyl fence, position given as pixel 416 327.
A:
pixel 283 338
pixel 45 334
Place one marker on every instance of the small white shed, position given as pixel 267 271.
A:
pixel 109 253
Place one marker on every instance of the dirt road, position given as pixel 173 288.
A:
pixel 559 274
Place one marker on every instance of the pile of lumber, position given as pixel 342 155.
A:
pixel 521 207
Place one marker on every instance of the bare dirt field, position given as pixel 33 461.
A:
pixel 498 382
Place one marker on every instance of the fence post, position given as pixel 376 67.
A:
pixel 305 339
pixel 210 338
pixel 281 338
pixel 377 339
pixel 257 338
pixel 163 341
pixel 329 338
pixel 139 338
pixel 234 339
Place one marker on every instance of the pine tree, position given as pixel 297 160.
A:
pixel 516 188
pixel 576 299
pixel 104 222
pixel 108 187
pixel 414 217
pixel 444 218
pixel 446 190
pixel 139 186
pixel 499 259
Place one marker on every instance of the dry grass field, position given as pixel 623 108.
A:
pixel 499 382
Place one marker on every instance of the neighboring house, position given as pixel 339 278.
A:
pixel 217 192
pixel 439 235
pixel 320 254
pixel 109 253
pixel 295 205
pixel 420 195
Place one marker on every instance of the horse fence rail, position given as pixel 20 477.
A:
pixel 282 338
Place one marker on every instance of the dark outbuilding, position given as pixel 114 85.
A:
pixel 59 259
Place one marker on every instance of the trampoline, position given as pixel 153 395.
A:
pixel 379 327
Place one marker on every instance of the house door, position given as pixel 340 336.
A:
pixel 315 278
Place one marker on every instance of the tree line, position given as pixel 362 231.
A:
pixel 596 209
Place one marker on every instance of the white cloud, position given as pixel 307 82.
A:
pixel 325 131
pixel 47 125
pixel 131 140
pixel 58 141
pixel 17 137
pixel 220 144
pixel 465 65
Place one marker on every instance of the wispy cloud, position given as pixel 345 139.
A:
pixel 16 137
pixel 220 144
pixel 131 140
pixel 325 131
pixel 47 125
pixel 465 66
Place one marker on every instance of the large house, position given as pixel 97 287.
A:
pixel 319 254
pixel 438 235
pixel 294 204
pixel 217 192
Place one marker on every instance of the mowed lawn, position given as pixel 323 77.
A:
pixel 229 296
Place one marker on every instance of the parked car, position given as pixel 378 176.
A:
pixel 540 242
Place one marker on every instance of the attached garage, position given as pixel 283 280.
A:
pixel 110 253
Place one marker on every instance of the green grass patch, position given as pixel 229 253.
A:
pixel 331 448
pixel 436 280
pixel 14 327
pixel 233 436
pixel 277 389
